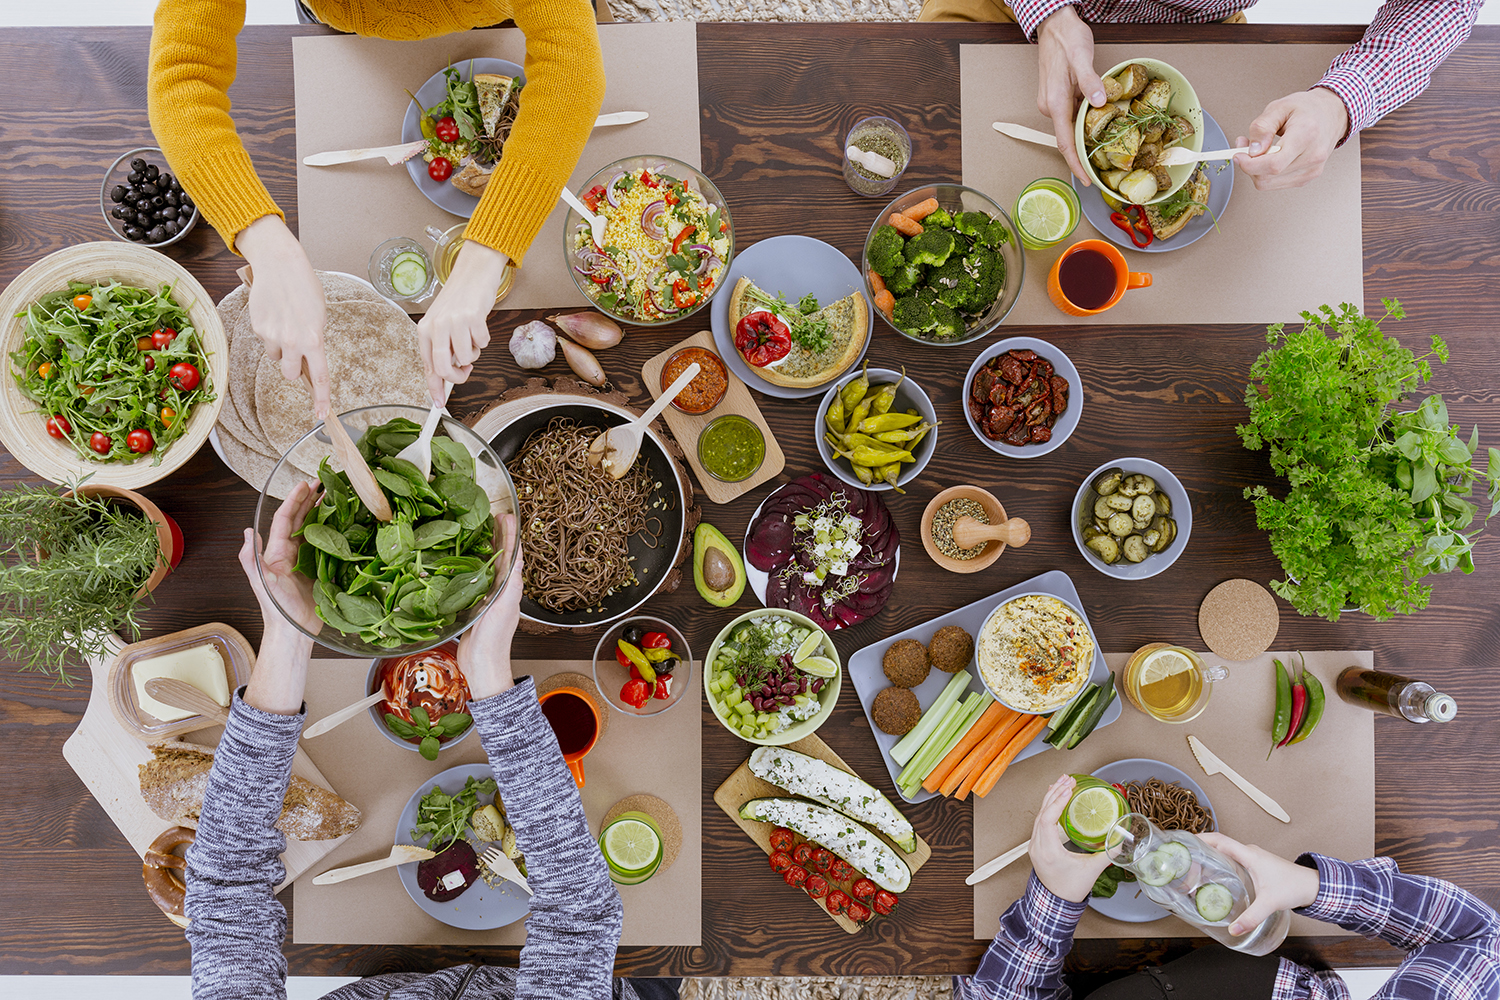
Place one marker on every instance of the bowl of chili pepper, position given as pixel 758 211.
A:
pixel 895 401
pixel 643 666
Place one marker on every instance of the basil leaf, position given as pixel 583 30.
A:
pixel 399 726
pixel 429 747
pixel 454 723
pixel 420 718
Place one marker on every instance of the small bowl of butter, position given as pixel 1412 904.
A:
pixel 213 658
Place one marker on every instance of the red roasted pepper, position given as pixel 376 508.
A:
pixel 682 237
pixel 648 180
pixel 635 693
pixel 1133 220
pixel 762 339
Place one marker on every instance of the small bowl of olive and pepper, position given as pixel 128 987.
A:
pixel 643 666
pixel 143 203
pixel 1131 518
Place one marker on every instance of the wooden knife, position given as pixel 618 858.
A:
pixel 400 854
pixel 401 152
pixel 1026 134
pixel 1211 764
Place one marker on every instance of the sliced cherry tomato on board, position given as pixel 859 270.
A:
pixel 635 693
pixel 885 902
pixel 446 129
pixel 656 640
pixel 795 875
pixel 100 442
pixel 803 853
pixel 862 888
pixel 440 169
pixel 782 839
pixel 140 441
pixel 822 859
pixel 841 872
pixel 838 901
pixel 183 377
pixel 161 338
pixel 816 886
pixel 82 302
pixel 761 338
pixel 780 861
pixel 58 426
pixel 858 912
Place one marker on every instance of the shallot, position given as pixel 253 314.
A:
pixel 534 345
pixel 582 361
pixel 590 329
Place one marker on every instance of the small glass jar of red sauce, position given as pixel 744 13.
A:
pixel 429 680
pixel 706 389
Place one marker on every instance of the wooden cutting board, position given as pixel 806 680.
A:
pixel 107 756
pixel 742 786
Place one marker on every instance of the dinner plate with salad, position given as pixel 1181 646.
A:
pixel 464 111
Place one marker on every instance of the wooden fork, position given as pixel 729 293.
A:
pixel 495 860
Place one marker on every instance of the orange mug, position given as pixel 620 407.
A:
pixel 1124 278
pixel 575 721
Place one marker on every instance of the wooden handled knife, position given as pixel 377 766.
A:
pixel 1213 765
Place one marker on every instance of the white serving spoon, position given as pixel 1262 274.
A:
pixel 597 223
pixel 419 452
pixel 618 446
pixel 342 716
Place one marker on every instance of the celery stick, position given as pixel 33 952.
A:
pixel 907 748
pixel 955 717
pixel 985 701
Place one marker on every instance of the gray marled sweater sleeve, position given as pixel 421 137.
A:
pixel 235 864
pixel 576 914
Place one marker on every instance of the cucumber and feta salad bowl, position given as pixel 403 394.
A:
pixel 772 677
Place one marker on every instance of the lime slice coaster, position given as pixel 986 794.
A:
pixel 1044 214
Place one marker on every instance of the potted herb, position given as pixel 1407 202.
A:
pixel 1377 499
pixel 74 566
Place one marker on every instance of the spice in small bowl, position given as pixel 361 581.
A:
pixel 731 448
pixel 942 527
pixel 943 515
pixel 707 388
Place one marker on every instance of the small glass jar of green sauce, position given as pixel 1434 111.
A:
pixel 731 448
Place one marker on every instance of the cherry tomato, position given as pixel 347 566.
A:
pixel 816 886
pixel 838 901
pixel 87 390
pixel 822 859
pixel 862 889
pixel 82 302
pixel 446 129
pixel 803 853
pixel 150 364
pixel 841 872
pixel 160 339
pixel 656 640
pixel 635 693
pixel 144 344
pixel 885 902
pixel 58 426
pixel 440 169
pixel 858 912
pixel 140 441
pixel 183 377
pixel 782 839
pixel 795 875
pixel 780 861
pixel 761 338
pixel 44 370
pixel 100 442
pixel 167 416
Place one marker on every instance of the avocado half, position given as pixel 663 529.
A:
pixel 718 570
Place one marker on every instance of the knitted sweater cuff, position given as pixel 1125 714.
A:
pixel 513 208
pixel 227 191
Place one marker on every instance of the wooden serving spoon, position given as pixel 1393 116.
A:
pixel 968 532
pixel 617 447
pixel 181 694
pixel 400 855
pixel 342 716
pixel 360 476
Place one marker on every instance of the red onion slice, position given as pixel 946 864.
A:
pixel 610 192
pixel 649 223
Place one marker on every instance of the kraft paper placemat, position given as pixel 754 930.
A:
pixel 347 210
pixel 1325 783
pixel 1275 253
pixel 662 756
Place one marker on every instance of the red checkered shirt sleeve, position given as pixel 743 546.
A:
pixel 1025 959
pixel 1031 13
pixel 1451 936
pixel 1393 63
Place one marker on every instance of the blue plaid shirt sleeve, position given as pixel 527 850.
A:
pixel 1025 959
pixel 1451 936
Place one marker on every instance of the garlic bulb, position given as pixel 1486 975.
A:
pixel 534 344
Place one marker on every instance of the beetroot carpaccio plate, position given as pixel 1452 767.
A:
pixel 829 550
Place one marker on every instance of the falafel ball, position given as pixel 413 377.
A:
pixel 951 649
pixel 906 663
pixel 896 711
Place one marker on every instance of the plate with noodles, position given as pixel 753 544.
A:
pixel 1173 801
pixel 594 548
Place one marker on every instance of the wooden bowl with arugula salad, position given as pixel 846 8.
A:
pixel 117 356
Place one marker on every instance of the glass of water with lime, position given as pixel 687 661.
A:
pixel 401 269
pixel 632 847
pixel 1046 213
pixel 1094 809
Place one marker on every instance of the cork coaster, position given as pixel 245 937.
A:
pixel 582 682
pixel 1239 619
pixel 665 816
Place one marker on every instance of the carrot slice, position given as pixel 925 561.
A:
pixel 921 210
pixel 982 754
pixel 905 226
pixel 997 768
pixel 983 726
pixel 885 302
pixel 876 281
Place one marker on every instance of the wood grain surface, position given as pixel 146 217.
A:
pixel 776 102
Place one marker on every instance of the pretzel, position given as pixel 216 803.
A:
pixel 162 869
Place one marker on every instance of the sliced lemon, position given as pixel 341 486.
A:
pixel 1160 665
pixel 1093 811
pixel 818 666
pixel 810 645
pixel 1044 214
pixel 631 846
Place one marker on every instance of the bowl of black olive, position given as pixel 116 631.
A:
pixel 142 202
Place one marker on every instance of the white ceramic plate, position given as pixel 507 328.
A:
pixel 442 193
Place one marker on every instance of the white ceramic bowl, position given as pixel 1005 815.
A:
pixel 1061 366
pixel 1060 698
pixel 1182 511
pixel 828 696
pixel 908 395
pixel 377 716
pixel 1184 102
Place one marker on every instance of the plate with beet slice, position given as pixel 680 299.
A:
pixel 475 906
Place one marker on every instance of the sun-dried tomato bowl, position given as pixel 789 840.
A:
pixel 1066 423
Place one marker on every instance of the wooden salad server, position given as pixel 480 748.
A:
pixel 968 532
pixel 181 694
pixel 617 447
pixel 342 716
pixel 400 855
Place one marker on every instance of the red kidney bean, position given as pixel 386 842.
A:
pixel 817 684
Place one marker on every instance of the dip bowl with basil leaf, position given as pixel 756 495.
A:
pixel 384 589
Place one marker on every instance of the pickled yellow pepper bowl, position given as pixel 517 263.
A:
pixel 908 396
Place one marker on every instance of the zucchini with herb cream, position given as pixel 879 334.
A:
pixel 868 854
pixel 834 787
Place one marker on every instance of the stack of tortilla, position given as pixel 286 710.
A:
pixel 372 360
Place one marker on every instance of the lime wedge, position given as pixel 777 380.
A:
pixel 818 666
pixel 1044 214
pixel 1093 811
pixel 408 274
pixel 809 646
pixel 631 846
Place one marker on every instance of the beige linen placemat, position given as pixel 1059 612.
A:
pixel 1326 784
pixel 1276 252
pixel 661 755
pixel 346 211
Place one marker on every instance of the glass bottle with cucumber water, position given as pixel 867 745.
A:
pixel 1178 871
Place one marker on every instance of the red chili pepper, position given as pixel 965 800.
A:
pixel 663 691
pixel 656 640
pixel 762 338
pixel 682 237
pixel 1138 228
pixel 635 693
pixel 646 179
pixel 1299 706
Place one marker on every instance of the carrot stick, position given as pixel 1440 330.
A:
pixel 921 210
pixel 983 753
pixel 885 302
pixel 876 281
pixel 905 226
pixel 992 773
pixel 983 726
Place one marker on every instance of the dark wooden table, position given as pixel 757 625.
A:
pixel 776 101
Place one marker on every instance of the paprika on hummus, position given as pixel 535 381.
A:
pixel 1035 652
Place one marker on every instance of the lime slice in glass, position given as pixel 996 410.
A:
pixel 630 846
pixel 1092 812
pixel 408 273
pixel 1044 214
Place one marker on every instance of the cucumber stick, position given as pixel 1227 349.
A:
pixel 907 748
pixel 868 854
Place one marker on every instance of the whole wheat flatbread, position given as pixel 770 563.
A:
pixel 339 288
pixel 244 461
pixel 245 352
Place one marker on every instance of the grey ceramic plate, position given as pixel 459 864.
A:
pixel 793 266
pixel 867 673
pixel 1129 903
pixel 1221 186
pixel 478 908
pixel 442 193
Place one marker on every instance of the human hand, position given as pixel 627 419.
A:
pixel 484 651
pixel 1065 874
pixel 1279 884
pixel 456 328
pixel 1310 124
pixel 292 590
pixel 287 306
pixel 1065 70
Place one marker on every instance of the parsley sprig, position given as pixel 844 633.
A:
pixel 810 331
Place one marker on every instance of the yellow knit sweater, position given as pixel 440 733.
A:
pixel 193 63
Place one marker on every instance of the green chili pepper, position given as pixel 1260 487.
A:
pixel 860 412
pixel 864 455
pixel 918 435
pixel 886 396
pixel 835 415
pixel 851 441
pixel 864 475
pixel 1283 717
pixel 888 422
pixel 910 435
pixel 855 391
pixel 1315 703
pixel 890 474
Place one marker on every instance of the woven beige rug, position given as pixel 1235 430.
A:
pixel 765 10
pixel 820 988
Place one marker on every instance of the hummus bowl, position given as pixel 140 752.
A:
pixel 1035 652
